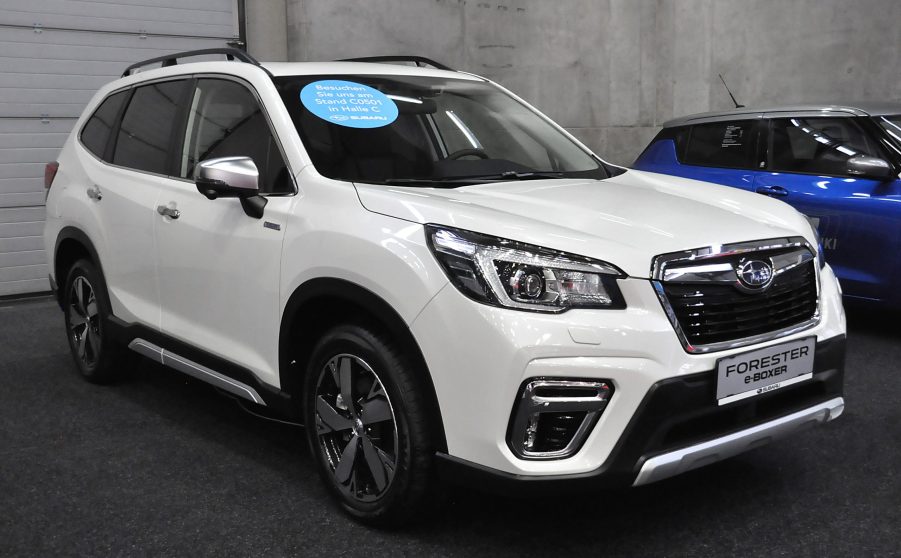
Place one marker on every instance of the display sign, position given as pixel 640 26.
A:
pixel 349 104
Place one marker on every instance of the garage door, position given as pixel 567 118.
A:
pixel 54 54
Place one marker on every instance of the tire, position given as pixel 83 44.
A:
pixel 383 433
pixel 97 357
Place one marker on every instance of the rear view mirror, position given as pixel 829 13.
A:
pixel 231 177
pixel 869 167
pixel 412 105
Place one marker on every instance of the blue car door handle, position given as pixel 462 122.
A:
pixel 776 191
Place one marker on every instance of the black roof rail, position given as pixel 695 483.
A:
pixel 172 59
pixel 418 60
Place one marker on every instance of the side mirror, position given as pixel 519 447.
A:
pixel 869 167
pixel 231 177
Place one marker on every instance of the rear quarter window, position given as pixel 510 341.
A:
pixel 730 144
pixel 96 132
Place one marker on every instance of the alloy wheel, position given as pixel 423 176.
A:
pixel 84 322
pixel 356 428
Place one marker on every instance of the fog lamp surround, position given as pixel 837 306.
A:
pixel 513 274
pixel 552 417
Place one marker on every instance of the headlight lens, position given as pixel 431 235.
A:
pixel 516 275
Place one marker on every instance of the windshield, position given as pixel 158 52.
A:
pixel 892 126
pixel 428 131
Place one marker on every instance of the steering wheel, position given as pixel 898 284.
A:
pixel 480 153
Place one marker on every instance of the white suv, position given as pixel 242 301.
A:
pixel 435 278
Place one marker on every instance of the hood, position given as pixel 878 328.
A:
pixel 625 220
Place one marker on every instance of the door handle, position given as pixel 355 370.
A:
pixel 94 193
pixel 169 212
pixel 774 191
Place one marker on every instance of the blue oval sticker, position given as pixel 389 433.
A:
pixel 350 104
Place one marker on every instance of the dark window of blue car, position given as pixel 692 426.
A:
pixel 818 145
pixel 729 144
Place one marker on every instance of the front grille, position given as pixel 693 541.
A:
pixel 717 312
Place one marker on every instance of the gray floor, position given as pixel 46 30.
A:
pixel 163 465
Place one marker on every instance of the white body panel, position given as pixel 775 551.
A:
pixel 328 236
pixel 625 220
pixel 120 225
pixel 219 276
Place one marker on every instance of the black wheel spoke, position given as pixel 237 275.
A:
pixel 330 420
pixel 83 344
pixel 78 296
pixel 376 465
pixel 91 308
pixel 375 410
pixel 346 464
pixel 91 343
pixel 75 321
pixel 345 384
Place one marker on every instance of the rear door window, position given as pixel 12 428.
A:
pixel 147 126
pixel 731 144
pixel 96 132
pixel 818 145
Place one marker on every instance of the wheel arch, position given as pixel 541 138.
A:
pixel 329 302
pixel 72 244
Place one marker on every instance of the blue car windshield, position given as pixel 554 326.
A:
pixel 892 126
pixel 427 131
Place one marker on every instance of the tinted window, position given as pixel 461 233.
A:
pixel 146 131
pixel 226 120
pixel 95 133
pixel 722 144
pixel 818 145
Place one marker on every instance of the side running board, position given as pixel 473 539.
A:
pixel 191 368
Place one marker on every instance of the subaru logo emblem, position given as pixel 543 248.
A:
pixel 754 274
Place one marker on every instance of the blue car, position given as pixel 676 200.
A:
pixel 838 164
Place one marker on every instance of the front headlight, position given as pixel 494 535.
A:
pixel 516 275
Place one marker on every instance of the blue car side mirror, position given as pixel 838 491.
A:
pixel 870 167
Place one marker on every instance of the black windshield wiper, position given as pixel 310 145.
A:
pixel 436 182
pixel 515 175
pixel 508 175
pixel 450 181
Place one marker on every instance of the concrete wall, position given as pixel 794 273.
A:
pixel 612 71
pixel 267 29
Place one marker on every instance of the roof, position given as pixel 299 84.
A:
pixel 870 108
pixel 276 69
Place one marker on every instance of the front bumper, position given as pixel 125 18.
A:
pixel 679 427
pixel 480 356
pixel 679 461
